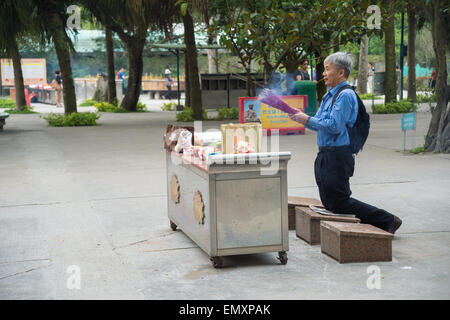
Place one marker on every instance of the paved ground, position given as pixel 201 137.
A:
pixel 95 198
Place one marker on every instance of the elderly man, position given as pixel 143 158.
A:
pixel 335 162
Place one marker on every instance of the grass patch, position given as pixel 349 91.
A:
pixel 89 103
pixel 417 150
pixel 76 119
pixel 7 104
pixel 26 110
pixel 108 107
pixel 368 96
pixel 403 106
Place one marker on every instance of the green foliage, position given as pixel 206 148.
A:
pixel 187 115
pixel 75 119
pixel 169 106
pixel 228 114
pixel 89 103
pixel 417 150
pixel 368 96
pixel 106 107
pixel 424 98
pixel 403 106
pixel 140 107
pixel 7 103
pixel 25 110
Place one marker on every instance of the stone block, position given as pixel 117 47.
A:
pixel 351 242
pixel 300 202
pixel 307 223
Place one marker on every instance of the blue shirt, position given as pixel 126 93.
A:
pixel 330 121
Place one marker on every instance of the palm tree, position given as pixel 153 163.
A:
pixel 51 16
pixel 12 29
pixel 131 21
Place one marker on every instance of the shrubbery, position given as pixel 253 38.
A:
pixel 108 107
pixel 169 106
pixel 228 114
pixel 403 106
pixel 75 119
pixel 7 103
pixel 89 103
pixel 368 96
pixel 187 115
pixel 424 98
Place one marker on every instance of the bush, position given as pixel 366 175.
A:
pixel 7 103
pixel 25 110
pixel 424 98
pixel 89 103
pixel 368 96
pixel 187 115
pixel 140 107
pixel 72 120
pixel 169 106
pixel 105 107
pixel 403 106
pixel 228 114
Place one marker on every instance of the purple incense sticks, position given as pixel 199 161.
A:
pixel 271 99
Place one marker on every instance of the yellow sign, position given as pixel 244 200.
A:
pixel 34 72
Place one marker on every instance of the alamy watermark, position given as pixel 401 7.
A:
pixel 74 280
pixel 374 20
pixel 374 280
pixel 74 20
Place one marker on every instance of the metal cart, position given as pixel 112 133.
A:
pixel 231 204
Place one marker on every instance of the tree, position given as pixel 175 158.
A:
pixel 13 28
pixel 411 11
pixel 112 94
pixel 363 63
pixel 438 136
pixel 195 94
pixel 390 76
pixel 131 20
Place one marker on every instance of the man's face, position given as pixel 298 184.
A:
pixel 332 75
pixel 305 65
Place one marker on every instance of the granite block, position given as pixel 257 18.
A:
pixel 300 202
pixel 307 223
pixel 350 242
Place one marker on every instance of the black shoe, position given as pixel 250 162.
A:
pixel 394 225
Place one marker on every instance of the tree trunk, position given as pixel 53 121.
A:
pixel 61 41
pixel 390 76
pixel 187 86
pixel 212 61
pixel 438 136
pixel 363 64
pixel 321 87
pixel 194 81
pixel 18 75
pixel 411 50
pixel 136 66
pixel 112 93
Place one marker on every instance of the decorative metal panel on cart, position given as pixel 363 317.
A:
pixel 188 203
pixel 246 216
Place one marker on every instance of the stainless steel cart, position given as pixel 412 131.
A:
pixel 231 204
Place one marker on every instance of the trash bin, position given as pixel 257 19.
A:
pixel 378 83
pixel 308 88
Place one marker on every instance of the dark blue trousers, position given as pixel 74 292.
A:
pixel 333 168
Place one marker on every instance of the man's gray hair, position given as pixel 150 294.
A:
pixel 341 60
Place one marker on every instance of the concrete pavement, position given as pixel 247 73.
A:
pixel 93 200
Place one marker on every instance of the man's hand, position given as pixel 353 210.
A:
pixel 300 117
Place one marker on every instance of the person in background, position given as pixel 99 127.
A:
pixel 121 76
pixel 370 75
pixel 433 79
pixel 335 162
pixel 303 74
pixel 57 85
pixel 169 83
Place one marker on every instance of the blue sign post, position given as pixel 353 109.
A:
pixel 408 123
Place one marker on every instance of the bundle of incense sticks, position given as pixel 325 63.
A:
pixel 271 99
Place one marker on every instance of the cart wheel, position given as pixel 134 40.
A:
pixel 217 262
pixel 173 226
pixel 282 256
